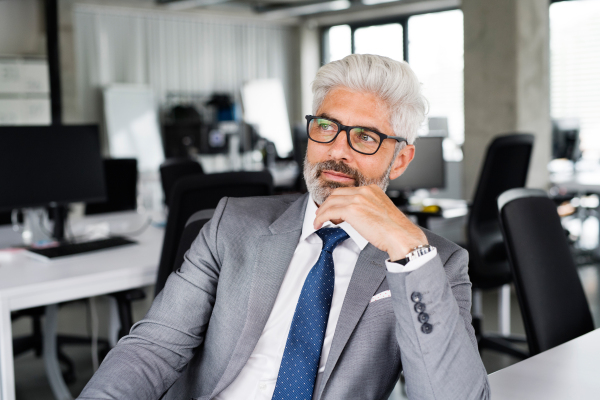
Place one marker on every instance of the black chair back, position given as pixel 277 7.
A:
pixel 121 176
pixel 200 192
pixel 549 290
pixel 505 167
pixel 175 168
pixel 192 228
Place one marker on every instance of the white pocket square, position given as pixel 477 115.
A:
pixel 381 295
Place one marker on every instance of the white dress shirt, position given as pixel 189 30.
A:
pixel 258 377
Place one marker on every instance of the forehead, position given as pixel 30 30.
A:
pixel 356 108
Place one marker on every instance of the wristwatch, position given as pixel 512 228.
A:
pixel 415 253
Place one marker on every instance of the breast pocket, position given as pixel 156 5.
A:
pixel 378 308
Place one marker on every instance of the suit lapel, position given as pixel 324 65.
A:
pixel 273 258
pixel 368 275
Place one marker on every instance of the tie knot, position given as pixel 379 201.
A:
pixel 331 237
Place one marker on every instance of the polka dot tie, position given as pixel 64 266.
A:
pixel 298 369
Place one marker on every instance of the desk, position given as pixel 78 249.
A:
pixel 26 283
pixel 568 371
pixel 449 209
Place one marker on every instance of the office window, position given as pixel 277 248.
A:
pixel 338 43
pixel 575 68
pixel 384 40
pixel 437 59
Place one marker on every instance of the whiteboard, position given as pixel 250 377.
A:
pixel 16 111
pixel 24 76
pixel 265 108
pixel 132 125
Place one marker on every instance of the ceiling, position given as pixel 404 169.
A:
pixel 283 8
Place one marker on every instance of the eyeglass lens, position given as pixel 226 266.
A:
pixel 362 140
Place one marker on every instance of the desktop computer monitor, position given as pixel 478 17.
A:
pixel 50 165
pixel 565 139
pixel 426 171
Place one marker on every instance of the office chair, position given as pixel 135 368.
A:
pixel 200 192
pixel 548 287
pixel 192 228
pixel 121 176
pixel 505 167
pixel 175 168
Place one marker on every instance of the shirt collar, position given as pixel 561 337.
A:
pixel 308 229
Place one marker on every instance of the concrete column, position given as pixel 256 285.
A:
pixel 507 75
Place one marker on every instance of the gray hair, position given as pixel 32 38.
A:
pixel 392 81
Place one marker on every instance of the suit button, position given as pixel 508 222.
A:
pixel 426 328
pixel 419 307
pixel 423 317
pixel 416 297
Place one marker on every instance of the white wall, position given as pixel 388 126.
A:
pixel 176 52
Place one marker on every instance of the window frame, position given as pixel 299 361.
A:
pixel 396 19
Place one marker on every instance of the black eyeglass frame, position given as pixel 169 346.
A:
pixel 347 129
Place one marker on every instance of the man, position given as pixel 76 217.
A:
pixel 258 310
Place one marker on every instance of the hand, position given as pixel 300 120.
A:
pixel 370 211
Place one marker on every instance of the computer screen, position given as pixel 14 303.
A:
pixel 426 171
pixel 565 139
pixel 40 165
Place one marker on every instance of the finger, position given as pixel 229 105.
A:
pixel 345 191
pixel 331 214
pixel 357 194
pixel 345 202
pixel 353 190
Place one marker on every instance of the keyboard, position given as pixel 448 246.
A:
pixel 69 249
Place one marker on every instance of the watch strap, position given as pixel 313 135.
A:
pixel 402 261
pixel 415 253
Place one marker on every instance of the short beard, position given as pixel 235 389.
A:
pixel 320 189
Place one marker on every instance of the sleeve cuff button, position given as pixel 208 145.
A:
pixel 426 328
pixel 416 297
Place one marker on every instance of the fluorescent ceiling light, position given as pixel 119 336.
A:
pixel 307 9
pixel 372 2
pixel 188 4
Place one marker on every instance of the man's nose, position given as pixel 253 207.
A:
pixel 340 149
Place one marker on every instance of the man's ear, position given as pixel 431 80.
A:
pixel 401 163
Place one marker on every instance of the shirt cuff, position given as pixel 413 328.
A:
pixel 411 265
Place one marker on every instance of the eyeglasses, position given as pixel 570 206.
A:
pixel 362 140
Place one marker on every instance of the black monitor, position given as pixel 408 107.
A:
pixel 565 139
pixel 426 171
pixel 50 165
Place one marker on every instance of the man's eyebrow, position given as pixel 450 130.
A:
pixel 325 115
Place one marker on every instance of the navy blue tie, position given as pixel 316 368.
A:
pixel 300 362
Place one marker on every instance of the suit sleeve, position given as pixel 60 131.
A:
pixel 149 360
pixel 440 361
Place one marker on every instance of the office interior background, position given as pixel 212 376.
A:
pixel 208 80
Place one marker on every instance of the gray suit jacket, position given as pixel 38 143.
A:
pixel 203 326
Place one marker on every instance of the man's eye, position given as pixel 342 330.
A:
pixel 365 137
pixel 326 126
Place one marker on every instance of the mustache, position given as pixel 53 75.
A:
pixel 340 167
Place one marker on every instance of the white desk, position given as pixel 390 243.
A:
pixel 26 283
pixel 569 371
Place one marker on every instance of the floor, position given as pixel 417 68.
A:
pixel 31 382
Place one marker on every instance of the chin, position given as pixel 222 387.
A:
pixel 325 183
